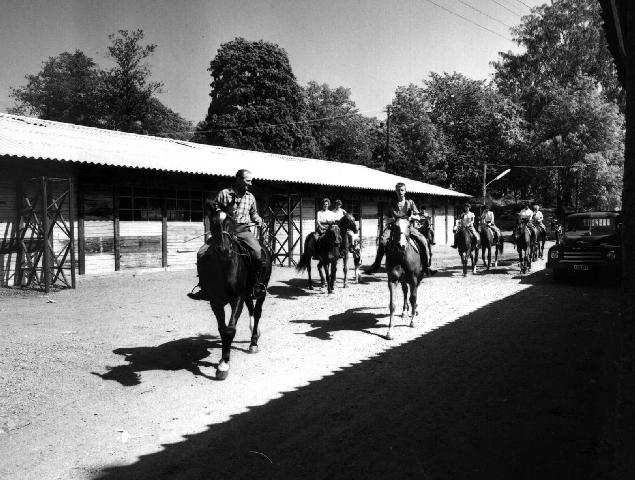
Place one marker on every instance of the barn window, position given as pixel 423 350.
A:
pixel 139 203
pixel 185 205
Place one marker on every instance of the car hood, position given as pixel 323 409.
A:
pixel 583 239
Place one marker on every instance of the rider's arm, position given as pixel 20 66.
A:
pixel 253 214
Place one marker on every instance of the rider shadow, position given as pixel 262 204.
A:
pixel 354 319
pixel 183 354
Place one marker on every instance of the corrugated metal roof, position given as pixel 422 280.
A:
pixel 48 140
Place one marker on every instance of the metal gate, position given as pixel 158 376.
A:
pixel 283 230
pixel 47 204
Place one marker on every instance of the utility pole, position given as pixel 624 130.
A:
pixel 387 159
pixel 484 180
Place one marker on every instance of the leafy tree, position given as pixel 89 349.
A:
pixel 67 89
pixel 256 103
pixel 341 133
pixel 417 146
pixel 478 125
pixel 72 88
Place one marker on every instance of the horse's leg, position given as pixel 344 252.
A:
pixel 227 333
pixel 404 289
pixel 464 262
pixel 254 318
pixel 320 267
pixel 412 283
pixel 331 275
pixel 308 271
pixel 345 267
pixel 392 286
pixel 474 258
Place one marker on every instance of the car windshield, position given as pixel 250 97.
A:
pixel 591 224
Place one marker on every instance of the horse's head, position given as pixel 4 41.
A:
pixel 347 222
pixel 222 227
pixel 399 233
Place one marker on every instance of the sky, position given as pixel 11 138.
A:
pixel 370 47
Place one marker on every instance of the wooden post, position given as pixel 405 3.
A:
pixel 115 221
pixel 301 235
pixel 290 230
pixel 46 258
pixel 19 206
pixel 71 224
pixel 164 228
pixel 81 230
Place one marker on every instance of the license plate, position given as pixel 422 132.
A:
pixel 580 267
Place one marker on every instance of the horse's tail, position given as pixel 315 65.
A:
pixel 501 244
pixel 304 263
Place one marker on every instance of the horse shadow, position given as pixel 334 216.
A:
pixel 354 319
pixel 182 354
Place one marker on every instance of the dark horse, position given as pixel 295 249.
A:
pixel 404 266
pixel 467 249
pixel 539 245
pixel 223 272
pixel 524 246
pixel 332 245
pixel 487 242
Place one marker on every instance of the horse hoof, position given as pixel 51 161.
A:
pixel 310 287
pixel 389 336
pixel 253 349
pixel 412 324
pixel 221 374
pixel 344 286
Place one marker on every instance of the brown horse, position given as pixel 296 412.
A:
pixel 404 266
pixel 524 246
pixel 467 249
pixel 487 242
pixel 347 227
pixel 539 245
pixel 332 245
pixel 223 272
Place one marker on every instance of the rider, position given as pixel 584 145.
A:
pixel 466 220
pixel 324 218
pixel 401 207
pixel 338 211
pixel 524 217
pixel 537 219
pixel 429 232
pixel 240 204
pixel 487 219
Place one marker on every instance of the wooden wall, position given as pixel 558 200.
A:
pixel 105 242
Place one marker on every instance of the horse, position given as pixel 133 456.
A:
pixel 467 249
pixel 487 241
pixel 524 246
pixel 404 266
pixel 327 250
pixel 224 275
pixel 539 245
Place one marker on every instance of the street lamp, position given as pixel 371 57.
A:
pixel 486 183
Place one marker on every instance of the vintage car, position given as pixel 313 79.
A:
pixel 591 243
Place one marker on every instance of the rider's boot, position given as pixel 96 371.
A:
pixel 376 264
pixel 259 289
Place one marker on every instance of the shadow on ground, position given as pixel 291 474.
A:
pixel 183 354
pixel 518 389
pixel 356 319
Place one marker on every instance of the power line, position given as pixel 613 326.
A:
pixel 483 13
pixel 468 20
pixel 508 9
pixel 523 3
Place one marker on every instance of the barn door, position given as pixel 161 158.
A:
pixel 283 232
pixel 45 236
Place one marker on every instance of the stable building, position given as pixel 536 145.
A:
pixel 90 201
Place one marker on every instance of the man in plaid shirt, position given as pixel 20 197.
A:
pixel 240 204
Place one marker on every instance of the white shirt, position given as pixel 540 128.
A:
pixel 487 217
pixel 324 217
pixel 339 213
pixel 466 219
pixel 538 217
pixel 526 214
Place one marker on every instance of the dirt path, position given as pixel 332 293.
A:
pixel 504 377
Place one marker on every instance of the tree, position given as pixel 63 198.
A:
pixel 256 102
pixel 128 89
pixel 340 132
pixel 72 88
pixel 67 89
pixel 417 147
pixel 478 125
